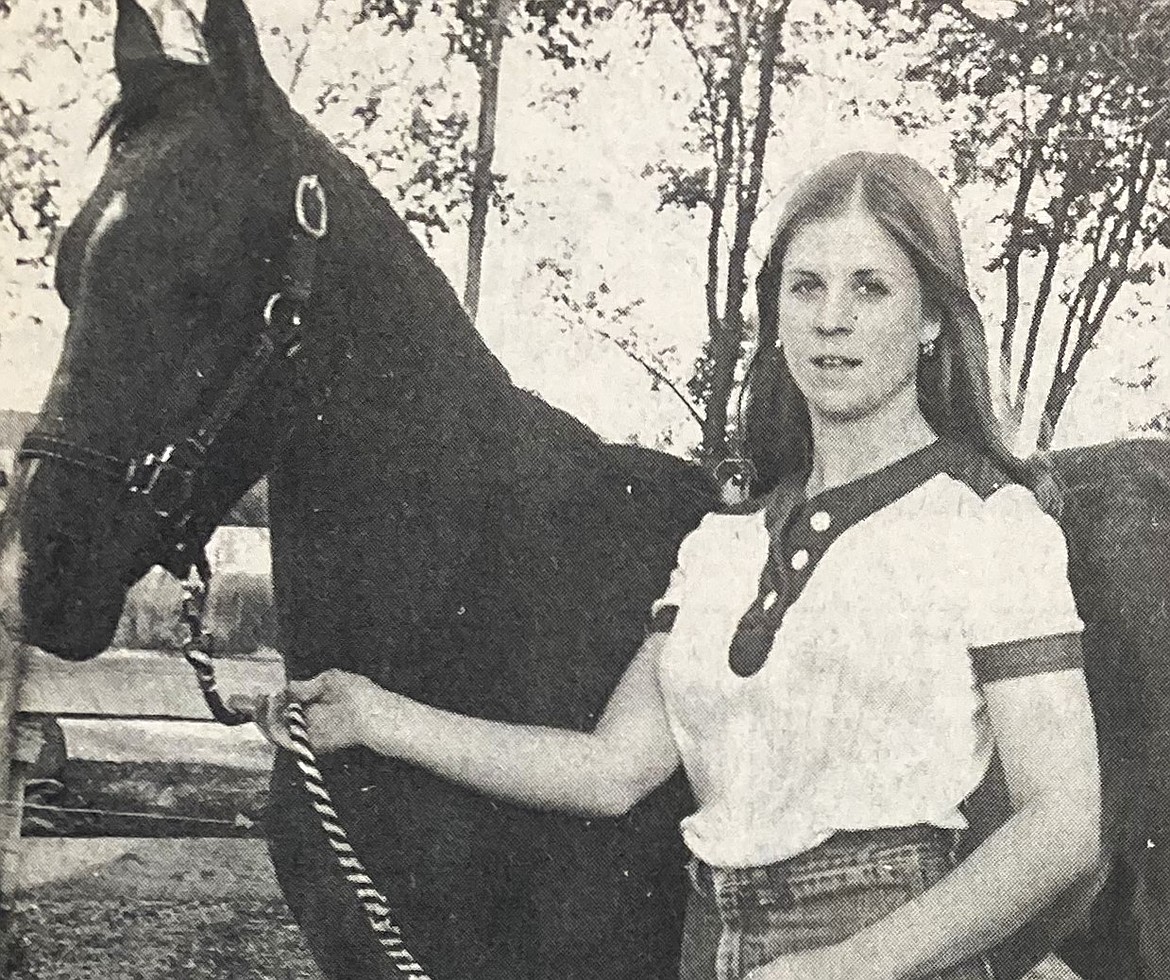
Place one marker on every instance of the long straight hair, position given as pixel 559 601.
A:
pixel 954 389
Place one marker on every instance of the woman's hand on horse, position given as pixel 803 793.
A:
pixel 340 708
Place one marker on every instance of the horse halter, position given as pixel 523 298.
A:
pixel 162 482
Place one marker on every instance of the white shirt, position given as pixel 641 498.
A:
pixel 868 710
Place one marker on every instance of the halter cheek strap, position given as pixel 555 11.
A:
pixel 161 483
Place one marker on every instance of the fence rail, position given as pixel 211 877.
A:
pixel 141 684
pixel 142 691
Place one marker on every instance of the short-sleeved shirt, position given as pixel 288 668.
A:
pixel 826 659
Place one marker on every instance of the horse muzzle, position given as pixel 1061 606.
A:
pixel 53 595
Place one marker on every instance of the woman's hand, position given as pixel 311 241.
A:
pixel 338 710
pixel 267 710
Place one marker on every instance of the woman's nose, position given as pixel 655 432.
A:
pixel 836 314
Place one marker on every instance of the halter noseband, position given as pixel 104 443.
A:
pixel 163 481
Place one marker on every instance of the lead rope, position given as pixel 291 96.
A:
pixel 198 648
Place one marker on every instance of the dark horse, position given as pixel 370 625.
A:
pixel 436 529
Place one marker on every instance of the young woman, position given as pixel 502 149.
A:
pixel 834 665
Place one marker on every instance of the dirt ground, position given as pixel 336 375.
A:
pixel 70 939
pixel 154 910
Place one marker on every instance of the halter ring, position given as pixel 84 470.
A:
pixel 309 186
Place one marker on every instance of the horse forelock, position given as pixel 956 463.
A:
pixel 153 84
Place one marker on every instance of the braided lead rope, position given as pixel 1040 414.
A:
pixel 374 904
pixel 198 648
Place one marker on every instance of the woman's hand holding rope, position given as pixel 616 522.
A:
pixel 341 710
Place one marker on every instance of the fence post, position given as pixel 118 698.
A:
pixel 11 793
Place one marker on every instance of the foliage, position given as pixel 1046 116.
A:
pixel 558 28
pixel 395 84
pixel 598 311
pixel 35 118
pixel 1067 106
pixel 736 49
pixel 476 31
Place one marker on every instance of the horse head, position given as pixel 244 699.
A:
pixel 183 273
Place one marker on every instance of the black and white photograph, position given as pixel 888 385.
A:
pixel 585 489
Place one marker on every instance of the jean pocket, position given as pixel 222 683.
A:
pixel 898 870
pixel 824 919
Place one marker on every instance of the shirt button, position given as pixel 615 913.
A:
pixel 799 559
pixel 821 521
pixel 770 600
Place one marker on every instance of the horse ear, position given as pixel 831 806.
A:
pixel 136 41
pixel 234 56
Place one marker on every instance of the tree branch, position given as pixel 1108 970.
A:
pixel 653 371
pixel 299 63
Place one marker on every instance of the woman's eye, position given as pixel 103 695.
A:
pixel 804 287
pixel 872 287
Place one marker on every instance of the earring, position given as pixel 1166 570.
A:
pixel 926 348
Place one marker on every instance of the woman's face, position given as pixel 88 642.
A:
pixel 851 315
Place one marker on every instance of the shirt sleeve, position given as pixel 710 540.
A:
pixel 664 609
pixel 1024 618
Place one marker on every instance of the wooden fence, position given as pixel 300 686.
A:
pixel 119 687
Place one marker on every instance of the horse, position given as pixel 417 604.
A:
pixel 243 302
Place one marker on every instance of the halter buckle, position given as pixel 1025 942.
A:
pixel 166 484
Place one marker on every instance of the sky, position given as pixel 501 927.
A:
pixel 575 149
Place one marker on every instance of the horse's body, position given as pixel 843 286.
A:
pixel 439 531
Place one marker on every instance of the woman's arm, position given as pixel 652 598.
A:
pixel 1047 741
pixel 603 772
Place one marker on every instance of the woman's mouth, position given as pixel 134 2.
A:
pixel 834 362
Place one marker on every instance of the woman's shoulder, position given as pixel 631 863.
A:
pixel 999 516
pixel 1016 528
pixel 985 491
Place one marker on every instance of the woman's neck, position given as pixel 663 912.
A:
pixel 846 449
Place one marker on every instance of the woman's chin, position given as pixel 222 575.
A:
pixel 840 408
pixel 842 404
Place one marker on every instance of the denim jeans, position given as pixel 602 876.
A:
pixel 740 918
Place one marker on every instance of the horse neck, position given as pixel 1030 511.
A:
pixel 408 422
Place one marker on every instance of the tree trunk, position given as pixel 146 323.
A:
pixel 1098 297
pixel 1058 392
pixel 723 158
pixel 726 345
pixel 1034 159
pixel 1043 292
pixel 485 148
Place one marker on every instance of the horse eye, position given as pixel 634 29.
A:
pixel 121 142
pixel 199 296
